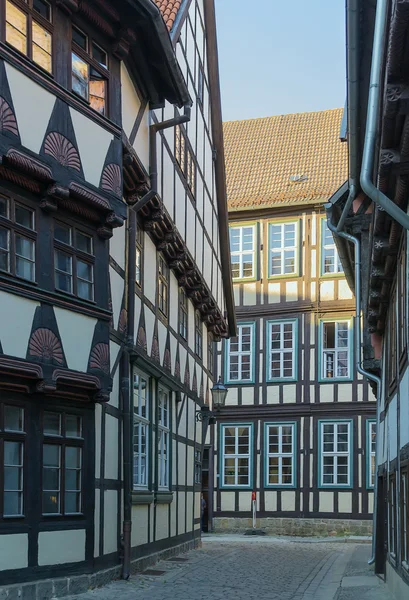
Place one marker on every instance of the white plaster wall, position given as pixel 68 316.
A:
pixel 16 319
pixel 130 101
pixel 270 501
pixel 98 427
pixel 111 447
pixel 174 305
pixel 189 511
pixel 181 512
pixel 140 518
pixel 110 521
pixel 97 513
pixel 76 333
pixel 117 293
pixel 141 144
pixel 326 502
pixel 60 547
pixel 162 521
pixel 117 245
pixel 288 500
pixel 345 502
pixel 404 410
pixel 13 551
pixel 149 257
pixel 393 442
pixel 227 501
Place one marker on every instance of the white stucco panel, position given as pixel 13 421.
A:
pixel 141 144
pixel 404 410
pixel 61 547
pixel 13 551
pixel 16 319
pixel 149 266
pixel 130 101
pixel 33 116
pixel 117 246
pixel 111 447
pixel 110 522
pixel 76 333
pixel 117 293
pixel 93 144
pixel 162 333
pixel 149 325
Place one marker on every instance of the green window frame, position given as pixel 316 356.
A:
pixel 283 335
pixel 237 473
pixel 331 265
pixel 284 249
pixel 280 454
pixel 243 239
pixel 240 354
pixel 335 443
pixel 370 453
pixel 335 359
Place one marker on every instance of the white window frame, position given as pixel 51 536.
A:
pixel 236 456
pixel 280 454
pixel 281 351
pixel 164 405
pixel 404 517
pixel 140 475
pixel 392 518
pixel 241 253
pixel 240 353
pixel 325 353
pixel 371 453
pixel 335 454
pixel 284 250
pixel 327 249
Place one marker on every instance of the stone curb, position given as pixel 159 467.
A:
pixel 237 537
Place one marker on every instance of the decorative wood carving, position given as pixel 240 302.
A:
pixel 155 349
pixel 166 360
pixel 81 209
pixel 85 194
pixel 25 182
pixel 45 345
pixel 105 232
pixel 123 320
pixel 8 121
pixel 97 19
pixel 111 180
pixel 30 165
pixel 99 358
pixel 114 220
pixel 141 339
pixel 69 6
pixel 11 366
pixel 62 150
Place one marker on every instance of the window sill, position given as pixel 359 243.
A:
pixel 405 566
pixel 164 497
pixel 141 497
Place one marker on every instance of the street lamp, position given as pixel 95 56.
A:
pixel 219 393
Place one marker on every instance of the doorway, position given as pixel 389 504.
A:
pixel 207 488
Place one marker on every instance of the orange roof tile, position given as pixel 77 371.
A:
pixel 288 159
pixel 169 10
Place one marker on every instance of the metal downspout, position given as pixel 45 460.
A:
pixel 358 344
pixel 127 464
pixel 371 133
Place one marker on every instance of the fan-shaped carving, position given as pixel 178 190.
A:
pixel 99 358
pixel 111 180
pixel 60 148
pixel 7 118
pixel 123 320
pixel 166 360
pixel 141 339
pixel 155 349
pixel 45 345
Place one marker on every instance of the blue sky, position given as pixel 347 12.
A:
pixel 280 56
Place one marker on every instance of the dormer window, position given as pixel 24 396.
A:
pixel 89 70
pixel 29 30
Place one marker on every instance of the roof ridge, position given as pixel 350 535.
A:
pixel 309 112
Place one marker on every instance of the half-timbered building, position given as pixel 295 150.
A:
pixel 298 423
pixel 109 114
pixel 370 219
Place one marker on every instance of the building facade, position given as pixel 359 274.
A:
pixel 371 215
pixel 298 424
pixel 114 282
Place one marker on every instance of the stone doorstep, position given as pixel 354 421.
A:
pixel 47 589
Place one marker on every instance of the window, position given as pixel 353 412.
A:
pixel 283 249
pixel 12 446
pixel 281 344
pixel 243 251
pixel 330 261
pixel 139 245
pixel 280 440
pixel 140 429
pixel 198 335
pixel 200 84
pixel 405 516
pixel 163 286
pixel 210 352
pixel 29 30
pixel 402 304
pixel 392 515
pixel 198 467
pixel 236 455
pixel 73 261
pixel 183 313
pixel 239 351
pixel 17 239
pixel 163 437
pixel 335 349
pixel 184 157
pixel 335 446
pixel 371 452
pixel 90 73
pixel 62 464
pixel 392 340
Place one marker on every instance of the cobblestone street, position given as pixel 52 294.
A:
pixel 256 568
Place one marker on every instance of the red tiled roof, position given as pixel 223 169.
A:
pixel 287 159
pixel 169 10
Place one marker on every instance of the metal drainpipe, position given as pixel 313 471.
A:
pixel 126 366
pixel 357 332
pixel 371 133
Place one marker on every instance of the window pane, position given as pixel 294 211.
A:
pixel 72 502
pixel 329 335
pixel 97 92
pixel 84 242
pixel 4 207
pixel 62 233
pixel 52 423
pixel 16 27
pixel 85 290
pixel 42 41
pixel 51 479
pixel 24 216
pixel 63 262
pixel 73 426
pixel 24 269
pixel 99 55
pixel 51 502
pixel 72 458
pixel 24 247
pixel 79 38
pixel 80 76
pixel 51 455
pixel 13 454
pixel 13 418
pixel 13 504
pixel 84 270
pixel 43 9
pixel 4 249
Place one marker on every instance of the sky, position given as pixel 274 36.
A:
pixel 280 56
